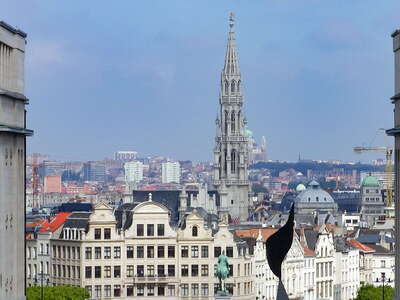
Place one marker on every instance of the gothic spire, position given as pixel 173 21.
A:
pixel 231 66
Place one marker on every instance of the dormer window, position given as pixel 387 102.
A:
pixel 194 231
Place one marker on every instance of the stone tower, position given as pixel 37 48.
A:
pixel 13 134
pixel 231 144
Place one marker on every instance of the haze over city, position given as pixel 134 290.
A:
pixel 316 75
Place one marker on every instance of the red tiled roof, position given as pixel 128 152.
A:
pixel 54 223
pixel 360 246
pixel 253 233
pixel 308 251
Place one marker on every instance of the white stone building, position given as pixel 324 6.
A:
pixel 13 134
pixel 170 172
pixel 133 171
pixel 136 252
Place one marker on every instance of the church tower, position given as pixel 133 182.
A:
pixel 231 143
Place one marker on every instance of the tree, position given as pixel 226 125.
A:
pixel 62 292
pixel 370 292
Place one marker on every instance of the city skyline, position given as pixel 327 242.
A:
pixel 331 54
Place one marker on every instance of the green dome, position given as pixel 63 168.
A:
pixel 300 187
pixel 370 181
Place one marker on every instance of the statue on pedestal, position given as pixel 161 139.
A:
pixel 222 272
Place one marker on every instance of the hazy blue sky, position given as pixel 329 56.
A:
pixel 144 75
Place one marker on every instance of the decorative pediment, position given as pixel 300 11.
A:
pixel 150 207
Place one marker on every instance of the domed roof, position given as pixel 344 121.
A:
pixel 314 194
pixel 300 187
pixel 370 181
pixel 248 133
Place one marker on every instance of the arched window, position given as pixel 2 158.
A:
pixel 226 87
pixel 194 231
pixel 238 122
pixel 233 161
pixel 233 86
pixel 233 121
pixel 226 122
pixel 238 86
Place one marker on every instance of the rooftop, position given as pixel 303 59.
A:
pixel 12 29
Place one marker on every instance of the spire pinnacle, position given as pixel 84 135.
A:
pixel 231 66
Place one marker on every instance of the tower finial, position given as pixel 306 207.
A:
pixel 231 20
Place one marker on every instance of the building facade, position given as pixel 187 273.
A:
pixel 395 131
pixel 136 252
pixel 372 205
pixel 171 172
pixel 231 153
pixel 13 134
pixel 133 171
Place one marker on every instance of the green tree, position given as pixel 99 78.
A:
pixel 62 292
pixel 369 292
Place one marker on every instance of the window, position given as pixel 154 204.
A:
pixel 229 288
pixel 217 251
pixel 140 289
pixel 129 252
pixel 230 270
pixel 233 86
pixel 88 272
pixel 185 251
pixel 161 290
pixel 185 271
pixel 195 251
pixel 117 271
pixel 171 251
pixel 68 252
pixel 204 270
pixel 140 270
pixel 117 252
pixel 107 233
pixel 129 290
pixel 88 253
pixel 97 252
pixel 171 290
pixel 107 271
pixel 194 231
pixel 107 252
pixel 160 271
pixel 229 251
pixel 150 229
pixel 140 229
pixel 171 270
pixel 117 290
pixel 129 271
pixel 204 289
pixel 107 290
pixel 140 251
pixel 185 289
pixel 160 251
pixel 150 270
pixel 160 229
pixel 150 290
pixel 78 252
pixel 97 234
pixel 204 251
pixel 195 289
pixel 195 270
pixel 97 272
pixel 150 251
pixel 97 291
pixel 73 253
pixel 383 264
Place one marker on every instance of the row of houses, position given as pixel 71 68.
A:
pixel 136 251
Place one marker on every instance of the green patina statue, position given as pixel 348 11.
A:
pixel 222 272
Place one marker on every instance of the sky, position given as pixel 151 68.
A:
pixel 104 76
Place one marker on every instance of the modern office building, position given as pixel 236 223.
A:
pixel 395 131
pixel 171 172
pixel 231 151
pixel 13 134
pixel 94 171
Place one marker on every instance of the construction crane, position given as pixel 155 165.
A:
pixel 388 168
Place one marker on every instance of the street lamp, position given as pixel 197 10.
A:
pixel 41 275
pixel 383 280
